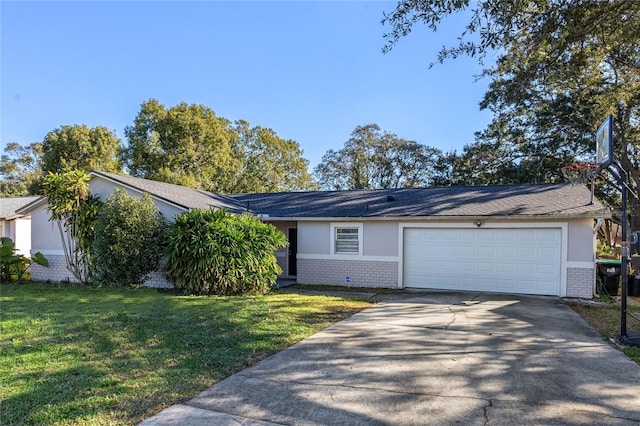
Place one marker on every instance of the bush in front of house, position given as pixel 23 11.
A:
pixel 128 244
pixel 216 252
pixel 15 266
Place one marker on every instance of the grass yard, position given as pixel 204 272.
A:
pixel 605 317
pixel 96 356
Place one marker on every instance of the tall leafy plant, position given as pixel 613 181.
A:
pixel 14 265
pixel 129 235
pixel 72 207
pixel 216 252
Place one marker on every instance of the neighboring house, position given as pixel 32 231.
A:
pixel 529 239
pixel 16 226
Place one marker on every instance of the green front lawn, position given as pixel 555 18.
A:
pixel 78 355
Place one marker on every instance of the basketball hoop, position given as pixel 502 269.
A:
pixel 579 173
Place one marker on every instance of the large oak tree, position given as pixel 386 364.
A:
pixel 557 69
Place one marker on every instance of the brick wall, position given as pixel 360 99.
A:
pixel 362 273
pixel 57 271
pixel 580 282
pixel 156 279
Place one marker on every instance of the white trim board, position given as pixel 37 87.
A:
pixel 352 257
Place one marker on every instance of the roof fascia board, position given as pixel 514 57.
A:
pixel 139 190
pixel 436 218
pixel 14 217
pixel 26 209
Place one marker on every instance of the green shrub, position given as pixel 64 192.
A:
pixel 216 252
pixel 15 266
pixel 128 242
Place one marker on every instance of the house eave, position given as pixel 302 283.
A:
pixel 439 218
pixel 13 217
pixel 28 208
pixel 138 190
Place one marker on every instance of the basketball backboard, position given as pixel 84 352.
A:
pixel 604 144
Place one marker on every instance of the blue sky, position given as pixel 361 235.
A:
pixel 312 71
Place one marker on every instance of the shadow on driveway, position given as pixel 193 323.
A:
pixel 433 358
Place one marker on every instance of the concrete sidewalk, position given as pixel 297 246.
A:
pixel 433 358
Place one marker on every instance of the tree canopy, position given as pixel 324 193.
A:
pixel 185 144
pixel 376 159
pixel 268 163
pixel 20 170
pixel 78 147
pixel 189 145
pixel 560 68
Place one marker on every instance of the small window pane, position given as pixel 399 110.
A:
pixel 347 240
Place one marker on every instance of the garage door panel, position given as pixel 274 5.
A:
pixel 527 269
pixel 505 260
pixel 547 252
pixel 485 267
pixel 525 252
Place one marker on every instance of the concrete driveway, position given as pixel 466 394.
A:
pixel 433 358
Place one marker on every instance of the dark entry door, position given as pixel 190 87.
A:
pixel 293 252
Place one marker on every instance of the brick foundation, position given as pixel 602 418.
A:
pixel 57 271
pixel 362 273
pixel 580 282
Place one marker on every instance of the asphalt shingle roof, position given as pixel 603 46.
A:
pixel 188 198
pixel 456 201
pixel 9 205
pixel 523 200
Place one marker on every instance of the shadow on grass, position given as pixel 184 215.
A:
pixel 54 396
pixel 82 355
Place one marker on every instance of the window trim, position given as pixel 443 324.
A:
pixel 351 225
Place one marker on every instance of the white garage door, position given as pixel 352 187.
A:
pixel 523 261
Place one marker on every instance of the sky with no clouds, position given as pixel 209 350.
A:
pixel 310 70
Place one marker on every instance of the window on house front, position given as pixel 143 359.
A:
pixel 347 240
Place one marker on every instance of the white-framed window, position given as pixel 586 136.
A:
pixel 346 239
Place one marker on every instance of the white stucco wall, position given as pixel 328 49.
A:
pixel 581 241
pixel 314 238
pixel 45 236
pixel 378 238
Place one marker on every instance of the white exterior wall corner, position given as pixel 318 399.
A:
pixel 580 261
pixel 362 273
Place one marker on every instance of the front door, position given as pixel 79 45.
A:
pixel 292 261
